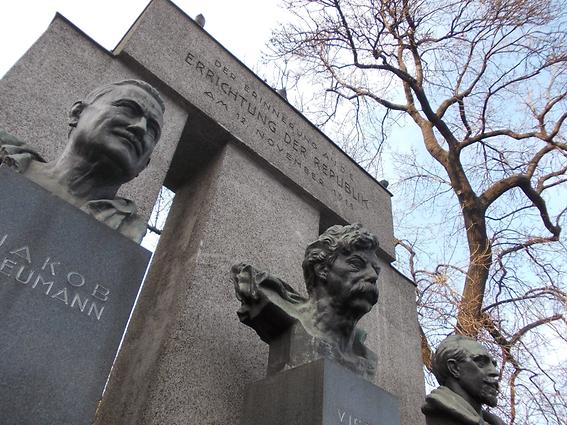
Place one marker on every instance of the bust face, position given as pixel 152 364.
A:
pixel 121 129
pixel 351 281
pixel 478 375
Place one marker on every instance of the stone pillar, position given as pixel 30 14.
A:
pixel 187 359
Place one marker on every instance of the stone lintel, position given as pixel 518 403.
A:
pixel 187 59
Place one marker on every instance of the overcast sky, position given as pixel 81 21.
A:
pixel 243 27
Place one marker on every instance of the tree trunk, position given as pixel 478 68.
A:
pixel 469 316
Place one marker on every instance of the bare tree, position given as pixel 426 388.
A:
pixel 485 84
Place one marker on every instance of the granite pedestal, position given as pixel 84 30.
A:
pixel 318 393
pixel 67 285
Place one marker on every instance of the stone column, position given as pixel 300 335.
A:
pixel 187 359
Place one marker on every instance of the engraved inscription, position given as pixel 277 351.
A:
pixel 347 418
pixel 277 131
pixel 49 277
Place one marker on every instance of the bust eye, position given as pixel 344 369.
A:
pixel 128 107
pixel 482 361
pixel 356 263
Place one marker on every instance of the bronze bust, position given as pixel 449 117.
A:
pixel 340 271
pixel 113 133
pixel 468 379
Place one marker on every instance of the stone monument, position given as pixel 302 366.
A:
pixel 68 281
pixel 253 180
pixel 468 379
pixel 307 336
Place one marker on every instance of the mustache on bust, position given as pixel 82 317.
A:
pixel 365 289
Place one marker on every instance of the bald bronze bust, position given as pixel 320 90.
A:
pixel 340 270
pixel 468 379
pixel 113 133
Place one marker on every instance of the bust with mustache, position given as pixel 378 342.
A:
pixel 468 379
pixel 340 270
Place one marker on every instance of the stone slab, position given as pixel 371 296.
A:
pixel 186 358
pixel 189 67
pixel 67 285
pixel 193 64
pixel 393 334
pixel 318 393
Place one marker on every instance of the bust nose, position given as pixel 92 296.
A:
pixel 138 127
pixel 371 274
pixel 492 371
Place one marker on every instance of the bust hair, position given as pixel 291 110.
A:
pixel 450 348
pixel 106 88
pixel 336 239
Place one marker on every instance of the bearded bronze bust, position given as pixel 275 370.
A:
pixel 340 271
pixel 468 378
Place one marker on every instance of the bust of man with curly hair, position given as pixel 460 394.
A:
pixel 341 270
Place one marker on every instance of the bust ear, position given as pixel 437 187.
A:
pixel 453 368
pixel 320 271
pixel 75 113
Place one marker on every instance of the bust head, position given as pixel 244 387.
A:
pixel 116 127
pixel 468 369
pixel 342 266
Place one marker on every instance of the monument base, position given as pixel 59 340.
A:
pixel 318 393
pixel 67 285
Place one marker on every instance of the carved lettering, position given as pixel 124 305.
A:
pixel 200 66
pixel 77 300
pixel 27 279
pixel 75 279
pixel 51 265
pixel 348 418
pixel 22 252
pixel 189 58
pixel 97 311
pixel 210 74
pixel 233 93
pixel 220 102
pixel 296 148
pixel 20 268
pixel 38 279
pixel 7 266
pixel 101 293
pixel 62 296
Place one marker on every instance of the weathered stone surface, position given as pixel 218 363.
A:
pixel 394 337
pixel 64 64
pixel 186 358
pixel 318 393
pixel 193 64
pixel 67 284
